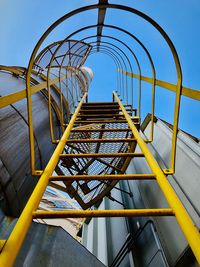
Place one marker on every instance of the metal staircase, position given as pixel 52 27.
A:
pixel 89 152
pixel 89 165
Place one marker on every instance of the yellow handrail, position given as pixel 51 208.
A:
pixel 15 97
pixel 188 92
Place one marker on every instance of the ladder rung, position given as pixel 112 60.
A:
pixel 103 177
pixel 100 107
pixel 102 155
pixel 133 118
pixel 99 110
pixel 105 121
pixel 90 116
pixel 113 140
pixel 101 103
pixel 102 213
pixel 103 130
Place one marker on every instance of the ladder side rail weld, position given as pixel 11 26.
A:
pixel 186 224
pixel 15 240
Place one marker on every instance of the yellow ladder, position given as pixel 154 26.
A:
pixel 10 248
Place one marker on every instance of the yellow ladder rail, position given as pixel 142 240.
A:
pixel 184 220
pixel 12 246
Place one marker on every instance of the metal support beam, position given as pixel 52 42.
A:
pixel 101 18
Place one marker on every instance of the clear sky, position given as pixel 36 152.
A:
pixel 24 21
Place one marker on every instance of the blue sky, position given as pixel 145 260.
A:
pixel 23 22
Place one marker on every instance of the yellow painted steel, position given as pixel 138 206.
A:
pixel 70 70
pixel 188 92
pixel 65 102
pixel 30 121
pixel 15 240
pixel 102 213
pixel 13 244
pixel 50 107
pixel 103 177
pixel 15 97
pixel 178 91
pixel 49 98
pixel 128 9
pixel 186 224
pixel 2 243
pixel 15 69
